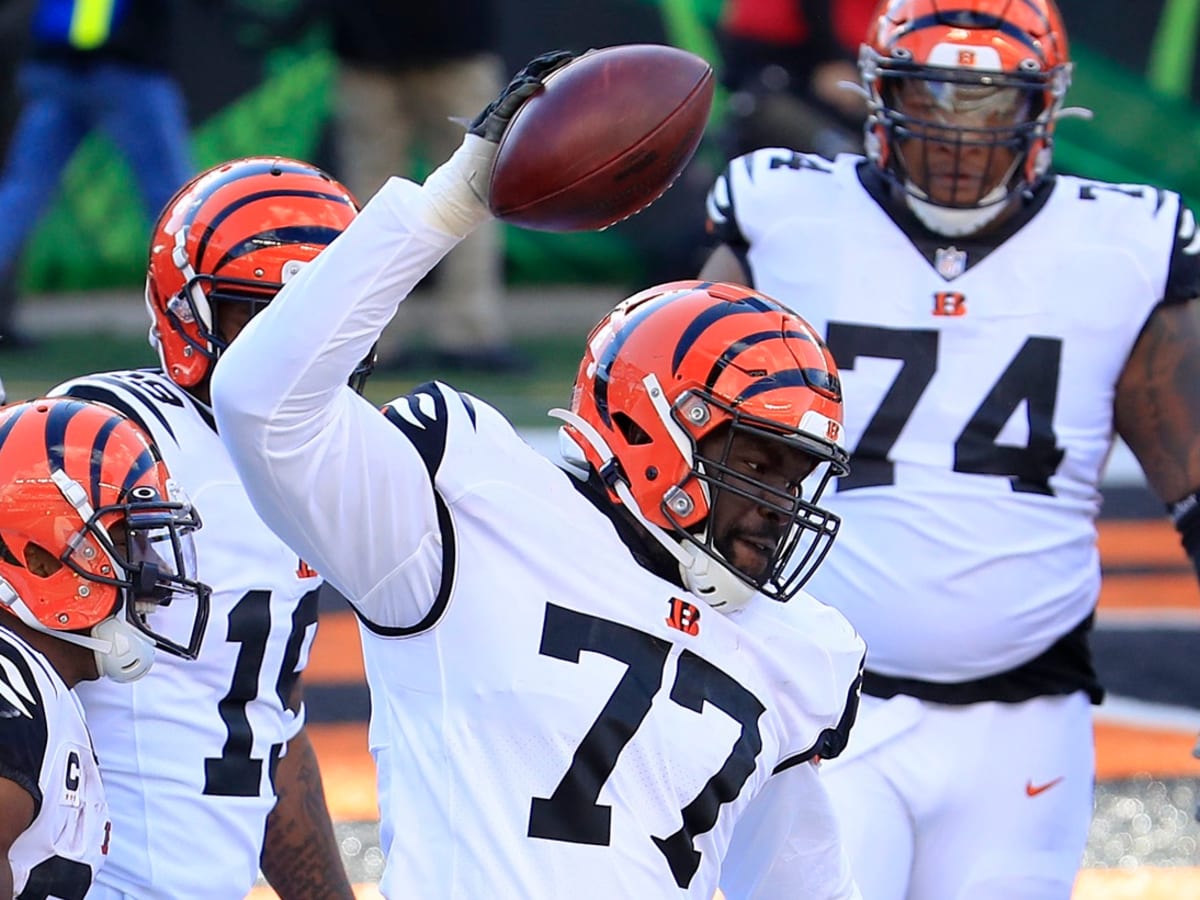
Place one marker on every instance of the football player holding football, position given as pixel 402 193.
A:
pixel 580 679
pixel 996 326
pixel 97 572
pixel 201 761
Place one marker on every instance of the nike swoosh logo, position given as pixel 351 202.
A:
pixel 1032 790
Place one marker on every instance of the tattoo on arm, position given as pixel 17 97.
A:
pixel 1157 403
pixel 300 856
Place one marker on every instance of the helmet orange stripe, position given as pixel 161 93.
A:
pixel 235 232
pixel 790 378
pixel 968 18
pixel 732 307
pixel 299 234
pixel 746 343
pixel 604 363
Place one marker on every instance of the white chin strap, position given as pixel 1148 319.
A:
pixel 129 653
pixel 702 575
pixel 122 652
pixel 711 581
pixel 952 222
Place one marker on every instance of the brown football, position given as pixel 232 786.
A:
pixel 605 137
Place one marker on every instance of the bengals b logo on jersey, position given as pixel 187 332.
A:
pixel 684 616
pixel 949 303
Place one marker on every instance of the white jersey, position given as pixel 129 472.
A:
pixel 549 719
pixel 45 748
pixel 979 382
pixel 188 752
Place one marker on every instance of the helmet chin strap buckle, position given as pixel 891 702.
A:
pixel 712 582
pixel 129 653
pixel 612 474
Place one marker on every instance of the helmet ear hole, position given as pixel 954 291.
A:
pixel 40 561
pixel 635 435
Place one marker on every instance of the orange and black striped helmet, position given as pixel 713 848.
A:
pixel 91 526
pixel 675 363
pixel 971 55
pixel 236 232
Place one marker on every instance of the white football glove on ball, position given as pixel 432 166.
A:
pixel 458 189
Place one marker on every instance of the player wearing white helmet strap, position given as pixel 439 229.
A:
pixel 214 761
pixel 553 698
pixel 94 549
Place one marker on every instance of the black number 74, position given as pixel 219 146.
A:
pixel 572 813
pixel 1031 377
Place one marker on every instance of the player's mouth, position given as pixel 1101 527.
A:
pixel 954 182
pixel 754 553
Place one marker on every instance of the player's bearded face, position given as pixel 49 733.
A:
pixel 746 531
pixel 959 141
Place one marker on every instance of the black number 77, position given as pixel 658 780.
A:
pixel 572 813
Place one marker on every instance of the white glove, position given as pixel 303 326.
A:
pixel 457 190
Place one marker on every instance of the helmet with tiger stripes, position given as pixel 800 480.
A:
pixel 95 536
pixel 234 233
pixel 677 363
pixel 982 77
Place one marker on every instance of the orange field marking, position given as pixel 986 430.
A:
pixel 1141 542
pixel 347 770
pixel 1137 884
pixel 336 655
pixel 1123 751
pixel 1092 884
pixel 1150 592
pixel 361 892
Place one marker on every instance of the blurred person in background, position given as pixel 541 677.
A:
pixel 96 545
pixel 90 67
pixel 405 73
pixel 996 325
pixel 15 16
pixel 783 61
pixel 212 761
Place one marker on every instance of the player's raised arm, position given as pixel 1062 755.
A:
pixel 313 455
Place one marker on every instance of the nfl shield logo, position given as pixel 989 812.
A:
pixel 950 262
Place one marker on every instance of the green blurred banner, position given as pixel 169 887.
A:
pixel 248 96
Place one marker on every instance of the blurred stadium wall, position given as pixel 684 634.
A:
pixel 258 83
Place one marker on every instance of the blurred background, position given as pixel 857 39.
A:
pixel 258 78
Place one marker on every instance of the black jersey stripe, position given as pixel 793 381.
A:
pixel 97 394
pixel 24 734
pixel 445 587
pixel 425 432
